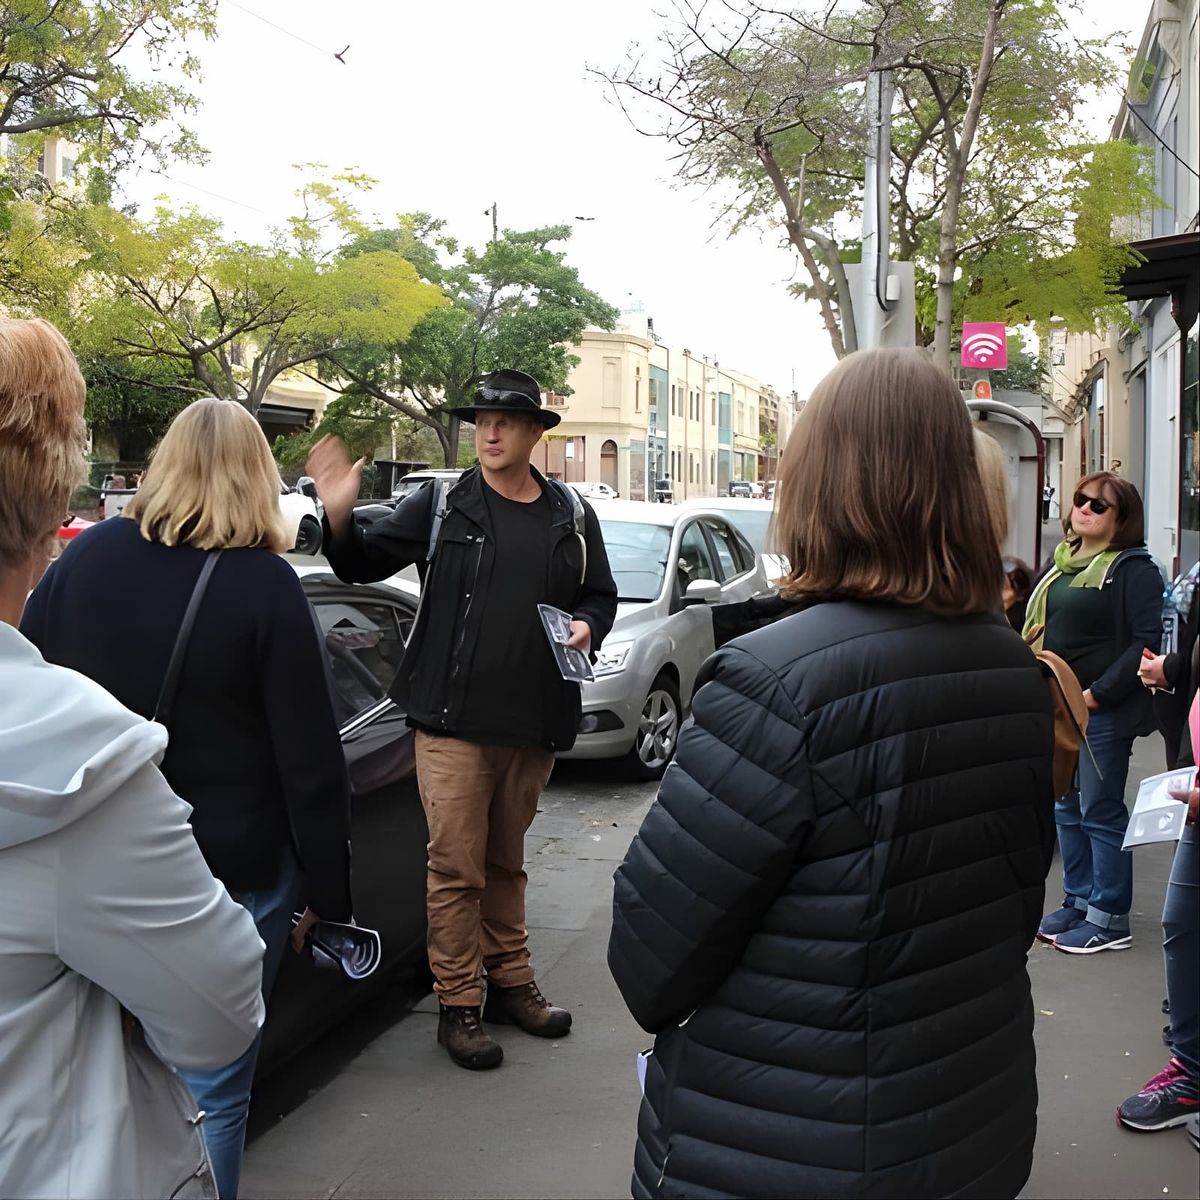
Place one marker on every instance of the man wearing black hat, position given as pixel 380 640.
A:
pixel 480 685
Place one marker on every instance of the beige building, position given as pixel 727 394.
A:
pixel 644 410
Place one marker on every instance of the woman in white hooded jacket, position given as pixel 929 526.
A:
pixel 118 949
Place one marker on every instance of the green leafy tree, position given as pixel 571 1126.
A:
pixel 1025 372
pixel 988 172
pixel 516 303
pixel 67 69
pixel 237 315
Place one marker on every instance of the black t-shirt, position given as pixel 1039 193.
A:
pixel 512 666
pixel 1080 629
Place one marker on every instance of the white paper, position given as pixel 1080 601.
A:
pixel 573 665
pixel 642 1060
pixel 1156 816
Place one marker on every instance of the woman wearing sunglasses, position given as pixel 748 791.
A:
pixel 1098 606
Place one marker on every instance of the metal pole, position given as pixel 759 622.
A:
pixel 871 304
pixel 687 418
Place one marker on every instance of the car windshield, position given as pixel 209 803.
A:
pixel 752 524
pixel 408 484
pixel 637 557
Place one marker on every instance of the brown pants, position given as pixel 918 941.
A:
pixel 479 802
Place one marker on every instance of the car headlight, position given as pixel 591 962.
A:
pixel 611 658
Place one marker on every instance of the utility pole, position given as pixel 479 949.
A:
pixel 872 303
pixel 493 211
pixel 703 428
pixel 687 419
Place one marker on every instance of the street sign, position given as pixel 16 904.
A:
pixel 984 345
pixel 983 389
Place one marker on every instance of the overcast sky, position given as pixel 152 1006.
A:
pixel 454 104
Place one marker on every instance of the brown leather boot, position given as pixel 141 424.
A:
pixel 526 1007
pixel 462 1035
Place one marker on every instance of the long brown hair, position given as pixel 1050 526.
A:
pixel 1131 515
pixel 879 494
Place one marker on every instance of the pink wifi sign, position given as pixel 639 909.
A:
pixel 984 345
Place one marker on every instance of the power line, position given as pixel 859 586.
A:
pixel 279 28
pixel 1166 146
pixel 215 195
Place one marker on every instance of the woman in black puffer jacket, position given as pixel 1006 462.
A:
pixel 826 914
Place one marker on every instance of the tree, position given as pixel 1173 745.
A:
pixel 65 70
pixel 237 315
pixel 1025 372
pixel 133 403
pixel 767 108
pixel 516 303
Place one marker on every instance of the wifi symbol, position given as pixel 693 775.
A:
pixel 984 346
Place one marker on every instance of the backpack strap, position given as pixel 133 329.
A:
pixel 170 684
pixel 440 508
pixel 571 496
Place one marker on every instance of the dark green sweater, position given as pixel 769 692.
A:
pixel 1081 628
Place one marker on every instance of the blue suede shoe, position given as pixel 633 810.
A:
pixel 1059 921
pixel 1086 938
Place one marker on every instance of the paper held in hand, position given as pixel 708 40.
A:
pixel 572 664
pixel 1156 816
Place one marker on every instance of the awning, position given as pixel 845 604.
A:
pixel 279 414
pixel 1171 268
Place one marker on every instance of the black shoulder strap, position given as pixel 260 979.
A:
pixel 571 496
pixel 166 697
pixel 440 491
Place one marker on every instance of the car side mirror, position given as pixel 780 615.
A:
pixel 702 591
pixel 306 486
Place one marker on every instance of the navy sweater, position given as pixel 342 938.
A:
pixel 254 746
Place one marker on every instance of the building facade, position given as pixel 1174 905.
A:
pixel 1130 398
pixel 644 414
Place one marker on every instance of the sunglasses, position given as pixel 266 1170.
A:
pixel 1098 506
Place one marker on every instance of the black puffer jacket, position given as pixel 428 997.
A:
pixel 826 914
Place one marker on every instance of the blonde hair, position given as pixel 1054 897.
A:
pixel 42 435
pixel 878 492
pixel 993 475
pixel 211 483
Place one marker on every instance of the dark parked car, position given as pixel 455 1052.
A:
pixel 364 628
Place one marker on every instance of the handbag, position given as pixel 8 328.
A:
pixel 1070 713
pixel 170 683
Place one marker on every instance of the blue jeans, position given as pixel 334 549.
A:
pixel 1181 950
pixel 224 1094
pixel 1097 873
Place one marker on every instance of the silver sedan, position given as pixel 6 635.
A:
pixel 669 564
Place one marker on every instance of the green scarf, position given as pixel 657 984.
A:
pixel 1089 571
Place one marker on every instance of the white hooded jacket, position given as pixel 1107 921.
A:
pixel 106 902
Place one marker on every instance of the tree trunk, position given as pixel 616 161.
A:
pixel 450 435
pixel 958 157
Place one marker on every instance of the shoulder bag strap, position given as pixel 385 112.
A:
pixel 578 517
pixel 166 697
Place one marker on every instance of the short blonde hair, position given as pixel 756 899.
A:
pixel 42 435
pixel 993 475
pixel 211 483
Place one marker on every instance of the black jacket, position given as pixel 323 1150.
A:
pixel 1135 585
pixel 826 914
pixel 254 747
pixel 433 678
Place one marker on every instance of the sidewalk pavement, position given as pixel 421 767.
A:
pixel 558 1118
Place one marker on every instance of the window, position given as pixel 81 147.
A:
pixel 673 400
pixel 364 642
pixel 554 400
pixel 637 392
pixel 637 557
pixel 728 553
pixel 695 561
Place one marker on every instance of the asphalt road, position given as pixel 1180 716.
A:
pixel 377 1109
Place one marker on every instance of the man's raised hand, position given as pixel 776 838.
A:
pixel 337 478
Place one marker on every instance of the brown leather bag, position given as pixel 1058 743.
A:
pixel 1070 713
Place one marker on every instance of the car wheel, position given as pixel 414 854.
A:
pixel 308 536
pixel 657 731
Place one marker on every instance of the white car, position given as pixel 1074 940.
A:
pixel 669 564
pixel 752 519
pixel 414 479
pixel 301 512
pixel 596 491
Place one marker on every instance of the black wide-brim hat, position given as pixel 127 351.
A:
pixel 511 392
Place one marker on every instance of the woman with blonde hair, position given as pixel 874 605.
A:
pixel 109 908
pixel 253 741
pixel 826 914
